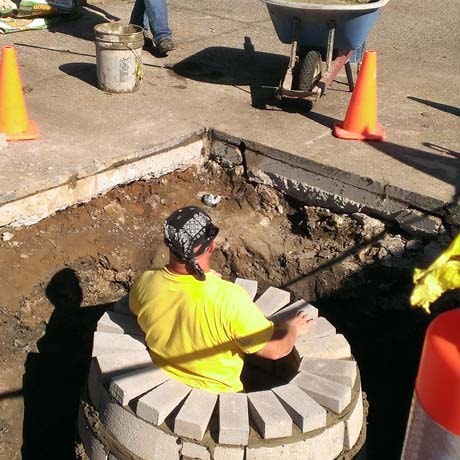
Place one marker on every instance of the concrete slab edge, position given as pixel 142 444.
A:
pixel 30 209
pixel 303 179
pixel 320 185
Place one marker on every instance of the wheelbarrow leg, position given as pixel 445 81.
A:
pixel 286 84
pixel 333 67
pixel 351 83
pixel 330 45
pixel 326 81
pixel 336 67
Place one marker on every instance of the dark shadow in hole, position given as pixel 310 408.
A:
pixel 84 71
pixel 386 335
pixel 370 306
pixel 54 377
pixel 437 105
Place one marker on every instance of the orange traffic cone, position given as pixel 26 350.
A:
pixel 361 118
pixel 13 114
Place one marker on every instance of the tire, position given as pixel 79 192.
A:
pixel 308 71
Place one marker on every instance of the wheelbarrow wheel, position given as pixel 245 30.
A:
pixel 307 72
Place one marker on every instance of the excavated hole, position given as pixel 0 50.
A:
pixel 64 272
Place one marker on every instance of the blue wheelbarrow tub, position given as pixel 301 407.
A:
pixel 352 22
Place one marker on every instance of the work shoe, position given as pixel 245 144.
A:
pixel 165 45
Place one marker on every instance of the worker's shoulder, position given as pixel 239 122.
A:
pixel 228 287
pixel 146 277
pixel 147 274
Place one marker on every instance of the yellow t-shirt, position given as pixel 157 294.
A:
pixel 197 331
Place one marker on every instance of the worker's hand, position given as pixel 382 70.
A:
pixel 299 323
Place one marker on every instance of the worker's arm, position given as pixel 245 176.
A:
pixel 284 336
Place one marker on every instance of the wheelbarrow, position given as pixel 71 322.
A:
pixel 323 38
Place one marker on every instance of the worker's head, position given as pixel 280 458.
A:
pixel 189 233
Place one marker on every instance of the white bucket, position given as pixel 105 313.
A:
pixel 118 56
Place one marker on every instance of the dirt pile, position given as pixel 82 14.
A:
pixel 64 272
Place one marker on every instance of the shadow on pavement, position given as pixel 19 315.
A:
pixel 84 71
pixel 54 377
pixel 82 26
pixel 439 166
pixel 437 105
pixel 221 65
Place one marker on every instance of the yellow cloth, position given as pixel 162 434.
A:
pixel 197 331
pixel 443 274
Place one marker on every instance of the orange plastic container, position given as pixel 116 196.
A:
pixel 438 380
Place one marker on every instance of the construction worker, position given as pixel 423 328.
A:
pixel 197 326
pixel 152 16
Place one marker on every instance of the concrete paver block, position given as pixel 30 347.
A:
pixel 105 342
pixel 141 438
pixel 195 451
pixel 354 423
pixel 306 413
pixel 326 445
pixel 126 387
pixel 228 453
pixel 233 419
pixel 293 309
pixel 106 366
pixel 338 370
pixel 418 223
pixel 118 323
pixel 319 327
pixel 157 404
pixel 329 347
pixel 249 285
pixel 328 393
pixel 193 418
pixel 271 418
pixel 122 306
pixel 272 300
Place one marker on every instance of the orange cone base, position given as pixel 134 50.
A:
pixel 29 134
pixel 341 133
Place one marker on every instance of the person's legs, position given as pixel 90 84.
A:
pixel 157 11
pixel 137 14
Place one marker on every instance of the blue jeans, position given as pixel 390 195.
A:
pixel 152 14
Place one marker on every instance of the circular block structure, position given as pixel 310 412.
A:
pixel 308 405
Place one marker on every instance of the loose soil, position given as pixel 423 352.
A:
pixel 61 274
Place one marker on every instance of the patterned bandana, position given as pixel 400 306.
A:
pixel 186 229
